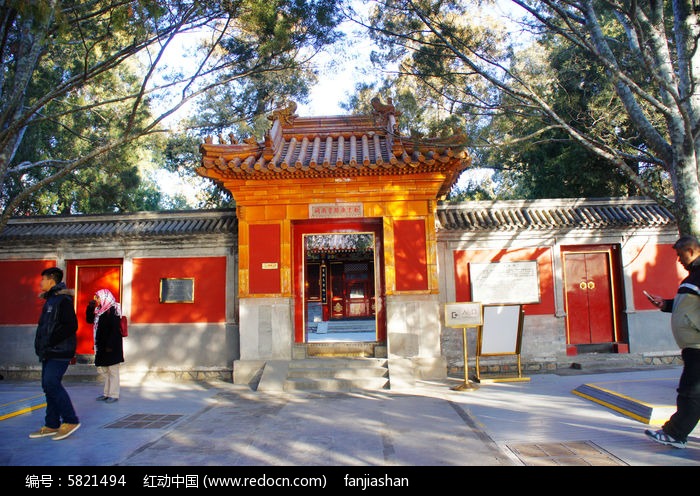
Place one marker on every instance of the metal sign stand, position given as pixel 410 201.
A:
pixel 467 385
pixel 467 314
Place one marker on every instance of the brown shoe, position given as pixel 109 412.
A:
pixel 65 430
pixel 43 432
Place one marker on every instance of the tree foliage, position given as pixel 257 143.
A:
pixel 551 164
pixel 627 95
pixel 85 85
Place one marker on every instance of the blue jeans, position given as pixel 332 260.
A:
pixel 687 414
pixel 59 408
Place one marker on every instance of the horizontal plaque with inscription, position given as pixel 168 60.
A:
pixel 335 210
pixel 174 290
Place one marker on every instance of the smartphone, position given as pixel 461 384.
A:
pixel 651 298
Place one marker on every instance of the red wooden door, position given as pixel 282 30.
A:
pixel 352 291
pixel 89 280
pixel 357 299
pixel 589 305
pixel 337 299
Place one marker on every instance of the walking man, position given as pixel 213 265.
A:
pixel 685 325
pixel 55 343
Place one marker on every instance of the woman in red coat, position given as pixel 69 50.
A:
pixel 104 313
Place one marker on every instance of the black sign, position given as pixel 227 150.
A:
pixel 177 290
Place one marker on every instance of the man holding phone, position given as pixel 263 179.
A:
pixel 685 325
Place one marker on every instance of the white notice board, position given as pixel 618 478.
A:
pixel 505 282
pixel 501 331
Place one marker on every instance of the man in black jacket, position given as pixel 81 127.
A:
pixel 55 345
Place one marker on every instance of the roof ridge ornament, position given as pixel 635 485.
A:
pixel 285 114
pixel 385 114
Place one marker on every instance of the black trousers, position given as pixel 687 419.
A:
pixel 687 414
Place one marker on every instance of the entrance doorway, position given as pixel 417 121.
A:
pixel 89 278
pixel 592 297
pixel 339 291
pixel 339 287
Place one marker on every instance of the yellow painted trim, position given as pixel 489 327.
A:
pixel 23 410
pixel 618 409
pixel 612 407
pixel 28 409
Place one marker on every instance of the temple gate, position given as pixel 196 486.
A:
pixel 336 223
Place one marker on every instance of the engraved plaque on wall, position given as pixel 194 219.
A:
pixel 174 290
pixel 335 210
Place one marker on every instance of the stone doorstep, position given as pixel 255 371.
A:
pixel 336 374
pixel 335 384
pixel 317 374
pixel 358 362
pixel 333 349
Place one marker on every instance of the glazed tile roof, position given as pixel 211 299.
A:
pixel 123 226
pixel 513 215
pixel 552 214
pixel 332 146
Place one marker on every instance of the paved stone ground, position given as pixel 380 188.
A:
pixel 194 424
pixel 327 429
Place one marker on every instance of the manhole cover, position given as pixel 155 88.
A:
pixel 573 453
pixel 144 421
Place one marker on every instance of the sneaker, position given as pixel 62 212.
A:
pixel 661 437
pixel 43 432
pixel 101 397
pixel 65 430
pixel 111 400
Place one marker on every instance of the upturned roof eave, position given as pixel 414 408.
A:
pixel 308 147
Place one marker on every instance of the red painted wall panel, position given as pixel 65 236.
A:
pixel 410 255
pixel 19 292
pixel 264 249
pixel 462 258
pixel 656 269
pixel 209 275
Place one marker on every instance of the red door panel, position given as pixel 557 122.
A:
pixel 337 300
pixel 589 298
pixel 600 298
pixel 577 299
pixel 89 280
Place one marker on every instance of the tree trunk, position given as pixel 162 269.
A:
pixel 687 189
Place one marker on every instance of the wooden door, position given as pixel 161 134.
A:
pixel 352 290
pixel 91 278
pixel 589 298
pixel 337 299
pixel 357 299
